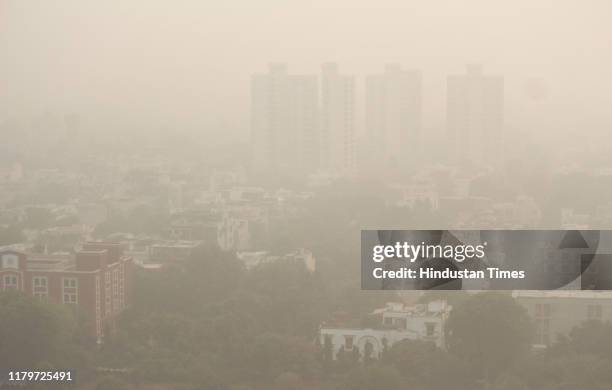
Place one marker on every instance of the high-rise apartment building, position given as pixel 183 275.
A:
pixel 284 119
pixel 337 125
pixel 393 115
pixel 475 104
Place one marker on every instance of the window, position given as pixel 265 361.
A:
pixel 10 282
pixel 542 320
pixel 40 288
pixel 543 331
pixel 70 290
pixel 368 350
pixel 70 283
pixel 121 284
pixel 348 342
pixel 115 290
pixel 40 281
pixel 98 310
pixel 107 293
pixel 401 323
pixel 328 340
pixel 430 329
pixel 115 283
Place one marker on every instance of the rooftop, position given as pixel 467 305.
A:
pixel 574 294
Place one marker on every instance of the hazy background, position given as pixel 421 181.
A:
pixel 185 65
pixel 128 122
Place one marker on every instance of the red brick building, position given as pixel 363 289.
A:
pixel 95 279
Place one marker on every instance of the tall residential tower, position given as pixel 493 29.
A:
pixel 474 118
pixel 284 116
pixel 393 115
pixel 337 137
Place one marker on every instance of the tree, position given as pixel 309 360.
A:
pixel 272 355
pixel 292 299
pixel 425 366
pixel 490 330
pixel 111 383
pixel 591 337
pixel 288 381
pixel 29 331
pixel 373 377
pixel 573 371
pixel 580 360
pixel 37 218
pixel 347 360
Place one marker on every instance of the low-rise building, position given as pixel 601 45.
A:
pixel 96 280
pixel 233 234
pixel 254 259
pixel 398 322
pixel 556 313
pixel 171 251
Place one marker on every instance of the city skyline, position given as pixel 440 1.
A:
pixel 305 123
pixel 185 68
pixel 204 194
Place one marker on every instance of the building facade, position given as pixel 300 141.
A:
pixel 284 122
pixel 475 115
pixel 556 313
pixel 96 280
pixel 394 116
pixel 424 322
pixel 337 135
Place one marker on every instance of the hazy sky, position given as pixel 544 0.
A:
pixel 186 64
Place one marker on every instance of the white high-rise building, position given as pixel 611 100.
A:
pixel 474 115
pixel 284 117
pixel 393 115
pixel 337 137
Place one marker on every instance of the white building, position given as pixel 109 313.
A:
pixel 233 234
pixel 170 251
pixel 399 322
pixel 254 259
pixel 556 312
pixel 337 136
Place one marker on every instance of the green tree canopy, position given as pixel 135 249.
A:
pixel 31 332
pixel 489 330
pixel 375 377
